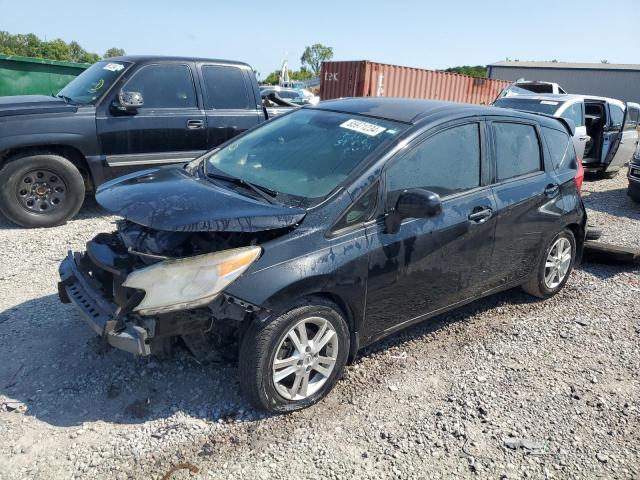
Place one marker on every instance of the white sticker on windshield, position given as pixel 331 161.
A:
pixel 363 127
pixel 548 102
pixel 113 67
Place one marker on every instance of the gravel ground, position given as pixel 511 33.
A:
pixel 508 387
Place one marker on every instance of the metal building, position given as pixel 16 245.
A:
pixel 615 80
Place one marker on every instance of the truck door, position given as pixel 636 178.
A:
pixel 169 128
pixel 229 102
pixel 623 136
pixel 575 112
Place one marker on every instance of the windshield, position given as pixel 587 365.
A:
pixel 307 153
pixel 91 84
pixel 550 107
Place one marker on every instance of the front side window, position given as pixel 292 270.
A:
pixel 306 153
pixel 574 112
pixel 94 82
pixel 631 122
pixel 164 86
pixel 225 88
pixel 560 149
pixel 445 163
pixel 517 149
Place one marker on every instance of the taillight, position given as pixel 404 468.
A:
pixel 579 178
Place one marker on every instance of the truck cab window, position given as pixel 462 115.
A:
pixel 164 86
pixel 225 88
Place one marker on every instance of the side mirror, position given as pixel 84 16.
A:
pixel 128 101
pixel 413 203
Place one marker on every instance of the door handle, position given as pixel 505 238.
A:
pixel 551 189
pixel 480 215
pixel 193 124
pixel 583 138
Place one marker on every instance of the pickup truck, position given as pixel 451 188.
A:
pixel 120 115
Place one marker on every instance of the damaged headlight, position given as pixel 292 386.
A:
pixel 189 282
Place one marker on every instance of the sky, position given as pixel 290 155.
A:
pixel 423 34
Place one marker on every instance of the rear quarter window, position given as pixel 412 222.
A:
pixel 560 145
pixel 517 150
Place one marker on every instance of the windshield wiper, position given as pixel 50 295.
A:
pixel 264 192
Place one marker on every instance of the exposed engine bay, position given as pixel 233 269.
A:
pixel 136 268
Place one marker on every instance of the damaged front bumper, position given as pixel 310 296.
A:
pixel 97 311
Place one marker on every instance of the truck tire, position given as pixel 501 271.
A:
pixel 40 190
pixel 559 256
pixel 295 360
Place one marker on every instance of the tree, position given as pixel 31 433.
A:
pixel 29 45
pixel 313 57
pixel 114 52
pixel 478 71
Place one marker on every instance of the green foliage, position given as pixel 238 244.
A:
pixel 313 57
pixel 29 45
pixel 274 77
pixel 114 52
pixel 478 71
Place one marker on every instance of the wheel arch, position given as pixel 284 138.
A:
pixel 579 233
pixel 71 153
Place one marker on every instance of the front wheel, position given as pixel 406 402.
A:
pixel 554 267
pixel 295 360
pixel 41 190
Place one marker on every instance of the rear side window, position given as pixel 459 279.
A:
pixel 517 150
pixel 164 86
pixel 561 149
pixel 575 113
pixel 446 163
pixel 225 88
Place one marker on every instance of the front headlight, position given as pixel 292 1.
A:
pixel 189 282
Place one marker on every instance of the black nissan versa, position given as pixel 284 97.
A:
pixel 315 234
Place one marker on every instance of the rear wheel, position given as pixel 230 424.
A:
pixel 295 360
pixel 41 190
pixel 554 267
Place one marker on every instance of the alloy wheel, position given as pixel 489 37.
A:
pixel 558 263
pixel 305 358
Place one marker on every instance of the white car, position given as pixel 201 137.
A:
pixel 526 87
pixel 606 129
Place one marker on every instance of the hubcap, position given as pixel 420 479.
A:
pixel 558 262
pixel 41 191
pixel 305 358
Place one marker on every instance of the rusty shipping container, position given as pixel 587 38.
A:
pixel 369 79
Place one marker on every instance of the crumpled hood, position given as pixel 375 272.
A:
pixel 32 104
pixel 170 199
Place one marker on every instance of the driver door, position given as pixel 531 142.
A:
pixel 169 128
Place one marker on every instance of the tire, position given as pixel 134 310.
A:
pixel 263 344
pixel 40 190
pixel 537 285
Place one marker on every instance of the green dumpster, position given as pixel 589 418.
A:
pixel 35 76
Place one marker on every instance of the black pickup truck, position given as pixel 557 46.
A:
pixel 121 114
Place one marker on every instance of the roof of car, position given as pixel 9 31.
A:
pixel 564 97
pixel 157 58
pixel 409 110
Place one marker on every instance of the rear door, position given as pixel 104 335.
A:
pixel 229 102
pixel 625 135
pixel 431 264
pixel 527 193
pixel 169 128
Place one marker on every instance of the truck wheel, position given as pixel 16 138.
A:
pixel 554 268
pixel 295 360
pixel 41 190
